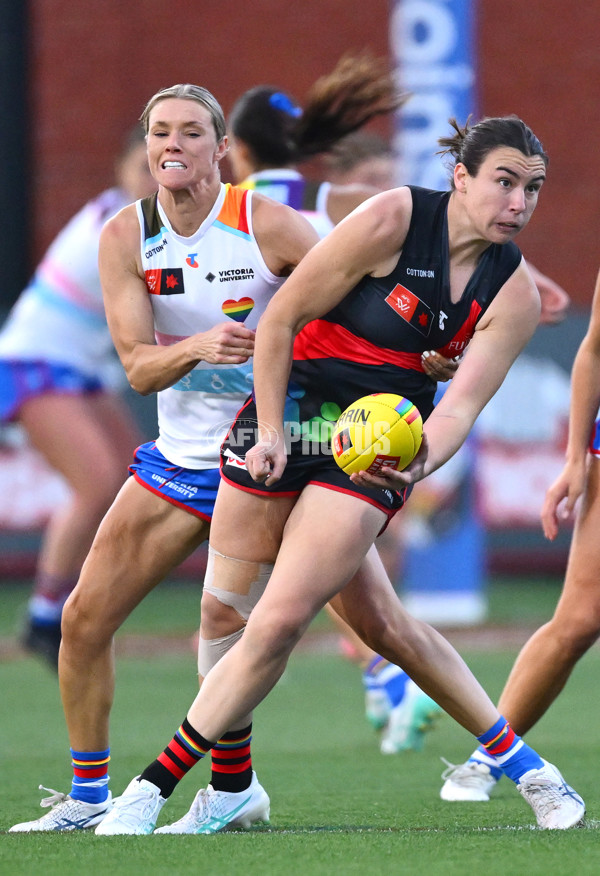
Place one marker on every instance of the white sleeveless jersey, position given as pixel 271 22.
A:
pixel 194 283
pixel 59 317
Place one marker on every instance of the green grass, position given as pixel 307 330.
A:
pixel 338 805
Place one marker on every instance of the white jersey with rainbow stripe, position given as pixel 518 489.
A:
pixel 194 283
pixel 59 317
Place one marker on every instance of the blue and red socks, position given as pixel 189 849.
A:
pixel 384 685
pixel 90 775
pixel 511 755
pixel 49 595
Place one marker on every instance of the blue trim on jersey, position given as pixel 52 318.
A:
pixel 49 296
pixel 220 381
pixel 237 231
pixel 157 237
pixel 21 380
pixel 192 490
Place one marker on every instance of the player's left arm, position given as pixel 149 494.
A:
pixel 283 235
pixel 500 336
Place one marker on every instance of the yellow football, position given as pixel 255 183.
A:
pixel 378 431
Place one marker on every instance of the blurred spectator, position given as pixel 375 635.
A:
pixel 61 381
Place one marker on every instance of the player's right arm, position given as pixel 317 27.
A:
pixel 150 367
pixel 367 241
pixel 585 400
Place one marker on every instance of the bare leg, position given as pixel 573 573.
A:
pixel 370 605
pixel 361 653
pixel 548 658
pixel 89 440
pixel 219 620
pixel 141 539
pixel 308 572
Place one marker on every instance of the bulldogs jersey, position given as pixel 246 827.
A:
pixel 59 318
pixel 373 340
pixel 194 283
pixel 289 187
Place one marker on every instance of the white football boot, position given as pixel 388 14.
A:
pixel 135 811
pixel 555 804
pixel 67 814
pixel 469 782
pixel 213 811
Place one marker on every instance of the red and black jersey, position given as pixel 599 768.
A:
pixel 373 340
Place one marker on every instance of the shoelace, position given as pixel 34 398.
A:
pixel 468 773
pixel 56 798
pixel 543 795
pixel 201 808
pixel 141 797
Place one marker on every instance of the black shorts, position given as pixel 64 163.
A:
pixel 310 461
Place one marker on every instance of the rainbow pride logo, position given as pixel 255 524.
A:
pixel 238 310
pixel 407 410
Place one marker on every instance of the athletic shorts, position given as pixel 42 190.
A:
pixel 595 440
pixel 307 463
pixel 21 380
pixel 191 489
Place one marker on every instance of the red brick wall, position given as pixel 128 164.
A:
pixel 95 65
pixel 540 59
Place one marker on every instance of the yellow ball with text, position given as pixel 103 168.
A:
pixel 378 431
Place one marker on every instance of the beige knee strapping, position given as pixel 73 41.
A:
pixel 241 584
pixel 237 583
pixel 210 651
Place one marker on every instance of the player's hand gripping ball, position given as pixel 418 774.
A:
pixel 376 432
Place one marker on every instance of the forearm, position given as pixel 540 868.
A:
pixel 446 433
pixel 272 363
pixel 151 368
pixel 585 399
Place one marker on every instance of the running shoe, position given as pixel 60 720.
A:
pixel 377 707
pixel 43 640
pixel 555 804
pixel 409 721
pixel 67 814
pixel 213 811
pixel 471 782
pixel 135 811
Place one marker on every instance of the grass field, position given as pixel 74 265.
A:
pixel 337 805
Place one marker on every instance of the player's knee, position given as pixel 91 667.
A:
pixel 232 587
pixel 75 622
pixel 577 633
pixel 218 619
pixel 85 625
pixel 275 628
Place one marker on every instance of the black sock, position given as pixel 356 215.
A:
pixel 184 750
pixel 232 761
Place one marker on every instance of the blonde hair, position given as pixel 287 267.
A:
pixel 188 92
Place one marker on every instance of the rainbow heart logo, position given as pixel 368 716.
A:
pixel 238 310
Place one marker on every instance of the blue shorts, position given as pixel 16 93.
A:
pixel 191 489
pixel 21 380
pixel 595 439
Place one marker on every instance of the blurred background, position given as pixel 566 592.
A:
pixel 75 78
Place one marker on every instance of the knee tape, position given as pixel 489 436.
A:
pixel 210 651
pixel 237 583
